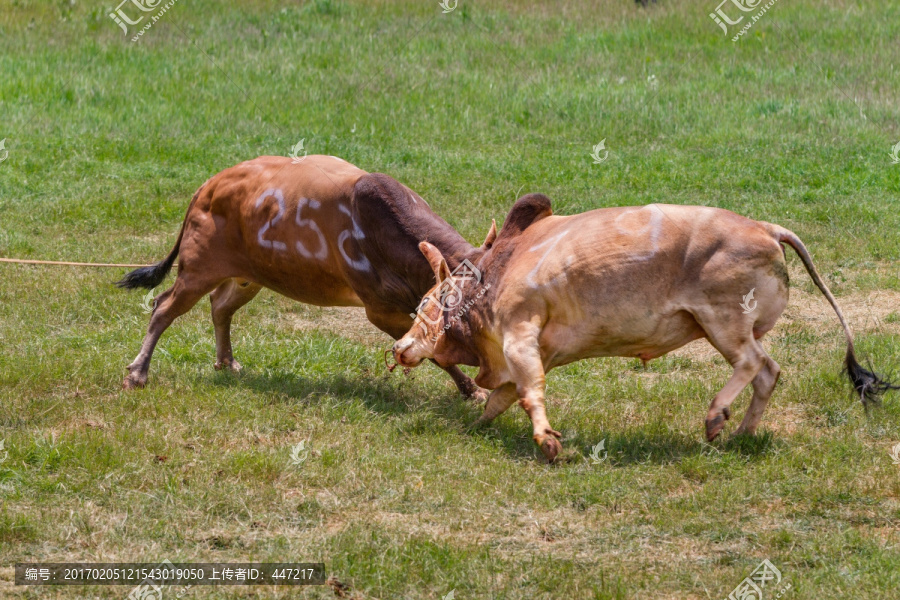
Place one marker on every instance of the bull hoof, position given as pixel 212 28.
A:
pixel 551 448
pixel 744 431
pixel 134 382
pixel 479 395
pixel 230 364
pixel 479 423
pixel 714 427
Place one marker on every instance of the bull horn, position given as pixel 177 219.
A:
pixel 491 236
pixel 436 260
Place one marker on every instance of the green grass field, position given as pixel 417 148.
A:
pixel 108 139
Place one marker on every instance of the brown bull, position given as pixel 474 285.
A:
pixel 635 282
pixel 320 231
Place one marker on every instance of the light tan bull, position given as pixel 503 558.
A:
pixel 320 231
pixel 634 282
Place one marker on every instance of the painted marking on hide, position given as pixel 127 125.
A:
pixel 322 252
pixel 653 229
pixel 363 263
pixel 279 197
pixel 552 242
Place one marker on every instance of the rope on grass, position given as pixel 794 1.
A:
pixel 22 261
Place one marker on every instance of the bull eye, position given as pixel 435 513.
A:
pixel 422 305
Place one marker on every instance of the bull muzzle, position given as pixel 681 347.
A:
pixel 401 346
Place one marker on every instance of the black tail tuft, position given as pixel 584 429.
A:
pixel 869 386
pixel 147 277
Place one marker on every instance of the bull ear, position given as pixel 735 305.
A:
pixel 436 260
pixel 491 236
pixel 527 210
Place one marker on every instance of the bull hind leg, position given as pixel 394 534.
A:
pixel 226 300
pixel 169 305
pixel 733 338
pixel 763 386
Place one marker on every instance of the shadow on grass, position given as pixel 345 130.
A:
pixel 381 394
pixel 416 410
pixel 658 446
pixel 386 395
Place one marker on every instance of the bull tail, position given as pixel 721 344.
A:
pixel 868 385
pixel 153 275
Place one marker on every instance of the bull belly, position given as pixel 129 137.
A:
pixel 310 288
pixel 645 340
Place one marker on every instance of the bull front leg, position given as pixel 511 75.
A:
pixel 523 357
pixel 544 436
pixel 499 400
pixel 466 385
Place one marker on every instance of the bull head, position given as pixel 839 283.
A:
pixel 431 317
